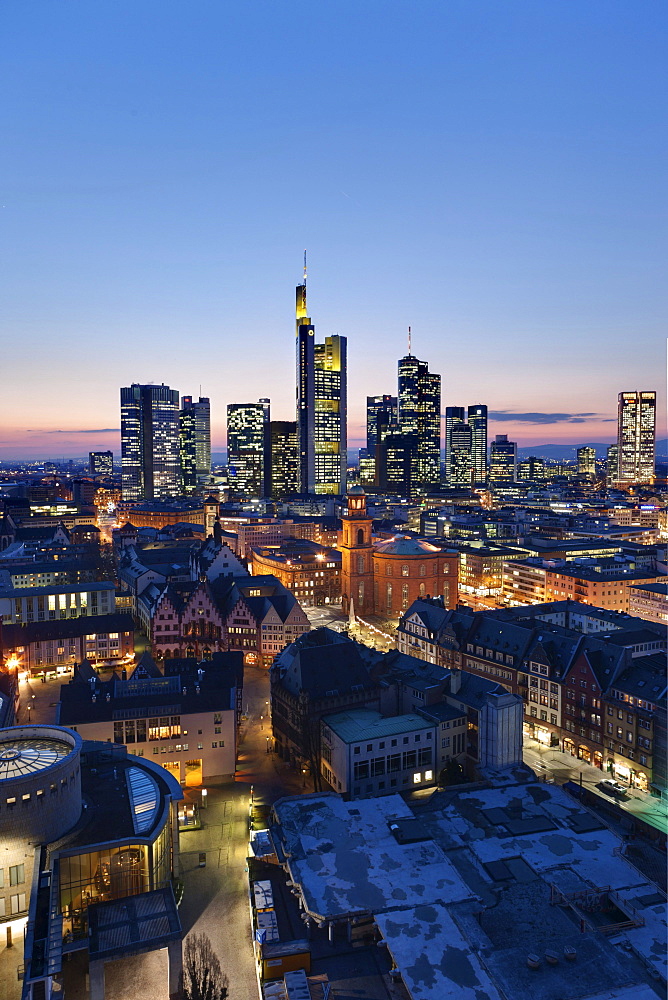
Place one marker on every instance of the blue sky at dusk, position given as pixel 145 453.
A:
pixel 492 174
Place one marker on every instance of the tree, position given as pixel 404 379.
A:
pixel 203 978
pixel 452 773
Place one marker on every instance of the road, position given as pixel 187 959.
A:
pixel 562 767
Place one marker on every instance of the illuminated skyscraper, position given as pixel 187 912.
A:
pixel 149 442
pixel 636 429
pixel 284 458
pixel 461 455
pixel 321 405
pixel 477 421
pixel 383 408
pixel 419 404
pixel 503 460
pixel 453 415
pixel 248 449
pixel 587 462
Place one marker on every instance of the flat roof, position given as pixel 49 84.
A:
pixel 132 925
pixel 366 724
pixel 346 860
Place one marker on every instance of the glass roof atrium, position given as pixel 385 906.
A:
pixel 22 757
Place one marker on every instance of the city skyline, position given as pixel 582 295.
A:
pixel 153 208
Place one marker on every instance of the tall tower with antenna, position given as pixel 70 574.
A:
pixel 321 404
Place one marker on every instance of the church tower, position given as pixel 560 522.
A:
pixel 356 554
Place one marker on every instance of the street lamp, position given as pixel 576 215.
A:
pixel 304 771
pixel 267 739
pixel 204 793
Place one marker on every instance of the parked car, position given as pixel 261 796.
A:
pixel 611 787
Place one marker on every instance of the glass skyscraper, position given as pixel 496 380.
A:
pixel 321 406
pixel 477 421
pixel 419 405
pixel 284 458
pixel 248 449
pixel 636 431
pixel 149 442
pixel 503 460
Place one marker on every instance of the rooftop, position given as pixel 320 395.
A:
pixel 365 724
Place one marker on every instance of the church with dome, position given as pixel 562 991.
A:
pixel 385 577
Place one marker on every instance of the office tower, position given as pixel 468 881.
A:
pixel 150 467
pixel 477 421
pixel 587 462
pixel 419 404
pixel 453 415
pixel 187 448
pixel 503 460
pixel 383 408
pixel 396 463
pixel 100 463
pixel 531 468
pixel 461 455
pixel 321 405
pixel 611 465
pixel 249 449
pixel 201 411
pixel 636 428
pixel 284 458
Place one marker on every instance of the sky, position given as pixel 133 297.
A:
pixel 491 174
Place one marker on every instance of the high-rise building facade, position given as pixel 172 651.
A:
pixel 636 431
pixel 201 410
pixel 453 415
pixel 100 463
pixel 249 449
pixel 419 406
pixel 461 455
pixel 381 409
pixel 503 460
pixel 284 458
pixel 321 406
pixel 477 421
pixel 150 466
pixel 587 462
pixel 187 449
pixel 611 465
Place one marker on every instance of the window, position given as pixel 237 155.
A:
pixel 17 874
pixel 360 769
pixel 18 902
pixel 377 767
pixel 404 569
pixel 214 746
pixel 445 743
pixel 356 750
pixel 394 762
pixel 408 759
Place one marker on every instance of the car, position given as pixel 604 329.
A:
pixel 611 787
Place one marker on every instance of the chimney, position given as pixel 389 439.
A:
pixel 455 680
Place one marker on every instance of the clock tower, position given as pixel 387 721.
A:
pixel 356 554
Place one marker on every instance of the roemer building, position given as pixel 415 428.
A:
pixel 91 849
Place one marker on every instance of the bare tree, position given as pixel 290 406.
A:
pixel 203 978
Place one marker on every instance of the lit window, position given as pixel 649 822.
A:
pixel 417 778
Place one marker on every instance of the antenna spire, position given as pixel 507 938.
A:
pixel 409 341
pixel 304 266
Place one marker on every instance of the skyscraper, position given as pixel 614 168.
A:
pixel 187 448
pixel 503 460
pixel 419 405
pixel 383 408
pixel 636 430
pixel 202 431
pixel 477 420
pixel 453 415
pixel 587 462
pixel 321 405
pixel 284 458
pixel 149 442
pixel 249 449
pixel 461 455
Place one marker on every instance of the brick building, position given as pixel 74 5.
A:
pixel 385 577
